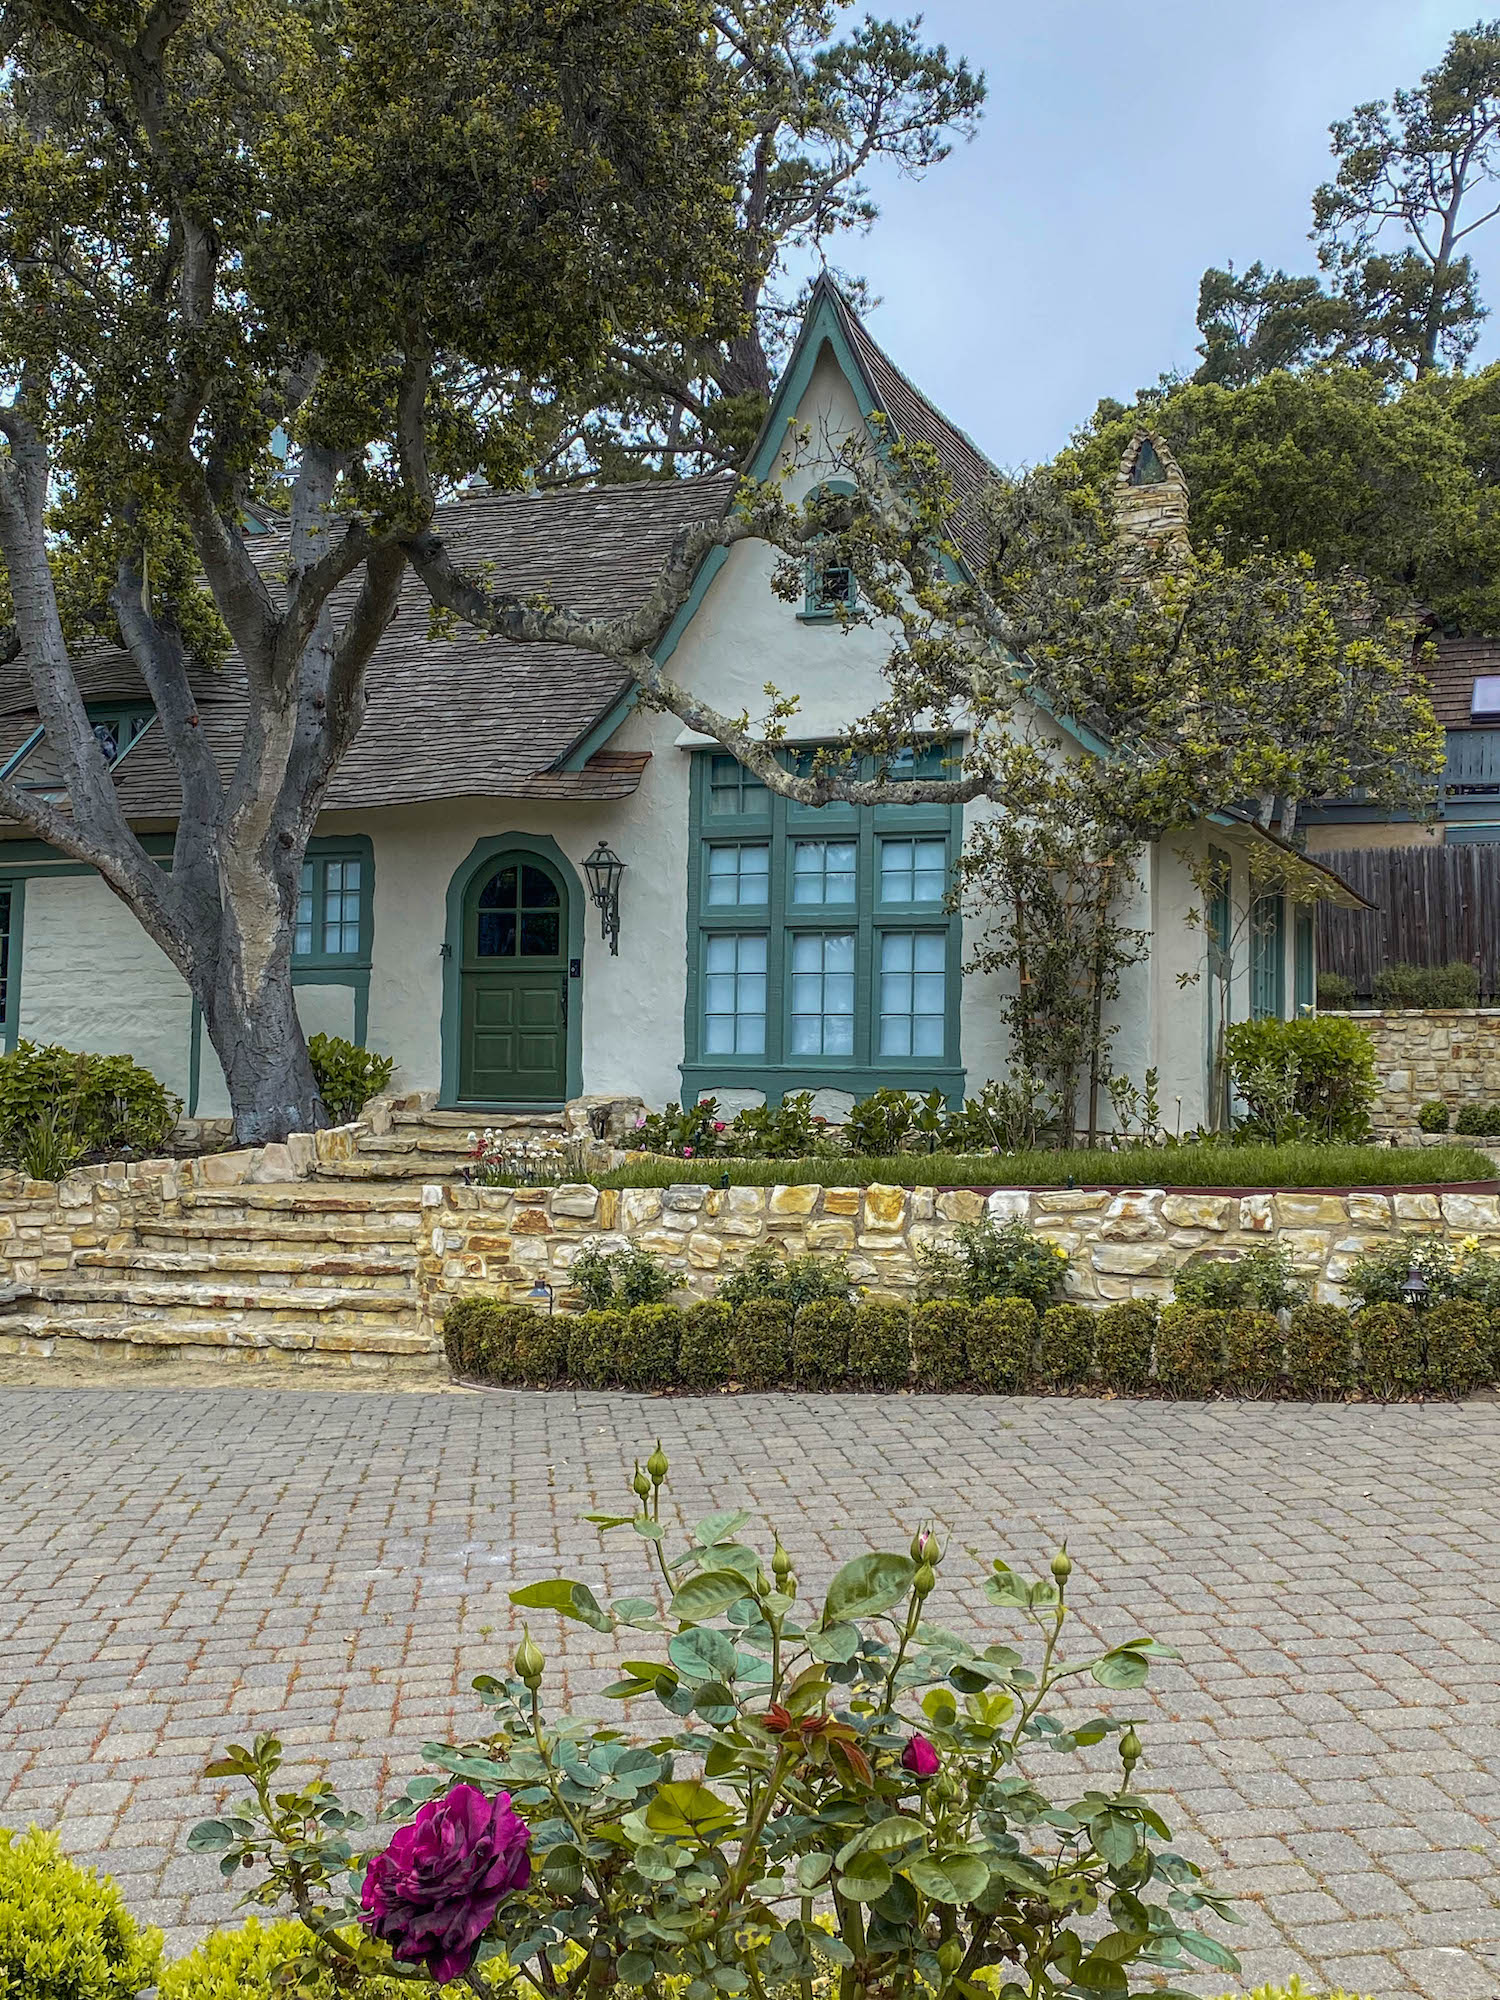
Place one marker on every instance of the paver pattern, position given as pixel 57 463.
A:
pixel 180 1566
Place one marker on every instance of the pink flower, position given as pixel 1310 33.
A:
pixel 719 1125
pixel 687 1152
pixel 433 1893
pixel 920 1758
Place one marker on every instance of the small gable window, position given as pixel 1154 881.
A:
pixel 116 729
pixel 1484 702
pixel 831 588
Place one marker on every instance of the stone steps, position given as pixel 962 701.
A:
pixel 211 1337
pixel 375 1173
pixel 297 1301
pixel 291 1199
pixel 327 1239
pixel 297 1267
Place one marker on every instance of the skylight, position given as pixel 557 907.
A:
pixel 1484 702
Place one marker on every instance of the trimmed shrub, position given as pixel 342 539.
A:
pixel 1260 1279
pixel 541 1347
pixel 647 1355
pixel 761 1344
pixel 1320 1351
pixel 1478 1121
pixel 1002 1345
pixel 1309 1078
pixel 1459 1350
pixel 596 1347
pixel 348 1075
pixel 103 1104
pixel 939 1337
pixel 990 1260
pixel 463 1324
pixel 880 1345
pixel 766 1272
pixel 1252 1352
pixel 1124 1334
pixel 1455 985
pixel 1065 1349
pixel 248 1964
pixel 703 1348
pixel 1433 1116
pixel 64 1933
pixel 1334 990
pixel 820 1344
pixel 1390 1351
pixel 1190 1350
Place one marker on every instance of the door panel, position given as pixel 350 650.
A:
pixel 513 1028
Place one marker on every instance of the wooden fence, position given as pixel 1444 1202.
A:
pixel 1433 905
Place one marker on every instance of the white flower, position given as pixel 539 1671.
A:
pixel 473 1139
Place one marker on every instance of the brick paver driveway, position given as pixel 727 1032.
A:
pixel 177 1566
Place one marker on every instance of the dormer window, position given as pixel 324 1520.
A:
pixel 831 588
pixel 1484 701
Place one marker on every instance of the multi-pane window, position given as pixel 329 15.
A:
pixel 7 906
pixel 738 875
pixel 823 871
pixel 330 908
pixel 825 950
pixel 913 992
pixel 822 1018
pixel 913 871
pixel 735 994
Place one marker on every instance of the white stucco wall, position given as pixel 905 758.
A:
pixel 92 979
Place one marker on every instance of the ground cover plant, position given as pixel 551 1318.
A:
pixel 818 1794
pixel 1302 1165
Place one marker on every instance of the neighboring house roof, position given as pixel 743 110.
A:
pixel 1450 672
pixel 455 716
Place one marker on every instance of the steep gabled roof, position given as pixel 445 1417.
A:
pixel 1450 672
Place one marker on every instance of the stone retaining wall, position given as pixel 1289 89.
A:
pixel 1420 1054
pixel 1121 1246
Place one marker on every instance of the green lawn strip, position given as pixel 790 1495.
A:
pixel 1227 1167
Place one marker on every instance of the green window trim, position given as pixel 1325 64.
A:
pixel 323 906
pixel 12 915
pixel 1305 952
pixel 821 603
pixel 772 1063
pixel 1268 958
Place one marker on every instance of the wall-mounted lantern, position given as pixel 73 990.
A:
pixel 604 869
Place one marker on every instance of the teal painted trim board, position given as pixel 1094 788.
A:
pixel 482 855
pixel 10 1025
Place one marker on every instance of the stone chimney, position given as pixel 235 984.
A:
pixel 1151 496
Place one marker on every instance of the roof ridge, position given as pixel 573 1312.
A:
pixel 859 326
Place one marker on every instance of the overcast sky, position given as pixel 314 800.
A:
pixel 1126 145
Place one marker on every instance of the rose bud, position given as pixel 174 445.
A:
pixel 920 1758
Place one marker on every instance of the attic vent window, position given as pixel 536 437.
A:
pixel 1148 469
pixel 1484 702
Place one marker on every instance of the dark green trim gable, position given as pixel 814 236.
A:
pixel 479 856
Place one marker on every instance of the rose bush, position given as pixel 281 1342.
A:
pixel 844 1796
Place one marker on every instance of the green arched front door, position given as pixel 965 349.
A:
pixel 513 1021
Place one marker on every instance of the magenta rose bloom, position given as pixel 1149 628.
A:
pixel 920 1758
pixel 433 1893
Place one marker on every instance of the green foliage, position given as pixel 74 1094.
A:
pixel 1320 1351
pixel 778 1754
pixel 1390 1351
pixel 1334 990
pixel 1433 1116
pixel 541 1348
pixel 880 1345
pixel 1200 1161
pixel 1450 1271
pixel 685 1131
pixel 786 1131
pixel 101 1104
pixel 766 1272
pixel 647 1357
pixel 1260 1279
pixel 1123 1335
pixel 348 1075
pixel 1005 1117
pixel 47 1148
pixel 273 1961
pixel 1190 1350
pixel 1001 1342
pixel 705 1346
pixel 1460 1352
pixel 880 1123
pixel 64 1933
pixel 1252 1352
pixel 939 1341
pixel 1309 1078
pixel 820 1344
pixel 1478 1121
pixel 1065 1349
pixel 596 1347
pixel 760 1344
pixel 463 1329
pixel 990 1260
pixel 632 1276
pixel 1418 986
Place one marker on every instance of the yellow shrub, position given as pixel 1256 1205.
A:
pixel 64 1934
